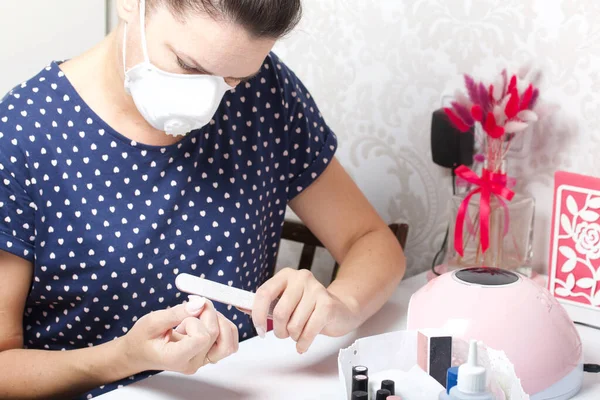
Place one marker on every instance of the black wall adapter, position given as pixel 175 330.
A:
pixel 450 147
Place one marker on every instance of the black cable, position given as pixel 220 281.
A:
pixel 440 251
pixel 453 182
pixel 591 368
pixel 445 242
pixel 586 325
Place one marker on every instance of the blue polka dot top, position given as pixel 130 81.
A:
pixel 108 223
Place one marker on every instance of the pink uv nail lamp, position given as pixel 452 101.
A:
pixel 507 312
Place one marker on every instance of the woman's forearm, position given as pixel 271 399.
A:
pixel 41 374
pixel 369 273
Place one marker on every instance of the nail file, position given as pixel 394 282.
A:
pixel 218 292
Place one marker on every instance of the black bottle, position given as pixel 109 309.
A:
pixel 360 370
pixel 382 394
pixel 360 383
pixel 389 385
pixel 360 395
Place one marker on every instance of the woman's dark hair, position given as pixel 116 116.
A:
pixel 262 18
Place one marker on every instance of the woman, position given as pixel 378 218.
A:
pixel 172 146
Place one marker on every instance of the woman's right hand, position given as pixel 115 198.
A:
pixel 202 335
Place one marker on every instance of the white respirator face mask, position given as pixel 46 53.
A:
pixel 173 103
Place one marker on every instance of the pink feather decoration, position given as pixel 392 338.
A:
pixel 472 89
pixel 513 83
pixel 534 98
pixel 477 113
pixel 480 158
pixel 504 83
pixel 504 102
pixel 462 99
pixel 491 127
pixel 463 113
pixel 484 98
pixel 499 115
pixel 526 98
pixel 498 88
pixel 512 107
pixel 527 116
pixel 515 126
pixel 456 121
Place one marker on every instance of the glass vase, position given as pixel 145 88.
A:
pixel 510 234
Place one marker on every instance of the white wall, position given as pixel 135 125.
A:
pixel 35 32
pixel 378 68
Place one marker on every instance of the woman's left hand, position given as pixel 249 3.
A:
pixel 304 310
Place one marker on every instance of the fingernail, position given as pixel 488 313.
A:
pixel 260 331
pixel 195 304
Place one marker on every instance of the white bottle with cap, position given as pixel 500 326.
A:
pixel 471 380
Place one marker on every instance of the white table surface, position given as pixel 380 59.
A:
pixel 270 368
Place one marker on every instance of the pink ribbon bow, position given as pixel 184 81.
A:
pixel 489 183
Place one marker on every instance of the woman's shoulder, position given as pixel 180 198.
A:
pixel 36 87
pixel 280 73
pixel 275 75
pixel 275 86
pixel 34 105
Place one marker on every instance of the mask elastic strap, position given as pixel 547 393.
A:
pixel 143 29
pixel 143 36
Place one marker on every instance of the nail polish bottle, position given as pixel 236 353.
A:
pixel 382 394
pixel 389 385
pixel 360 370
pixel 360 395
pixel 360 383
pixel 471 380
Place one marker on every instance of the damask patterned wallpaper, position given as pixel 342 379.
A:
pixel 378 68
